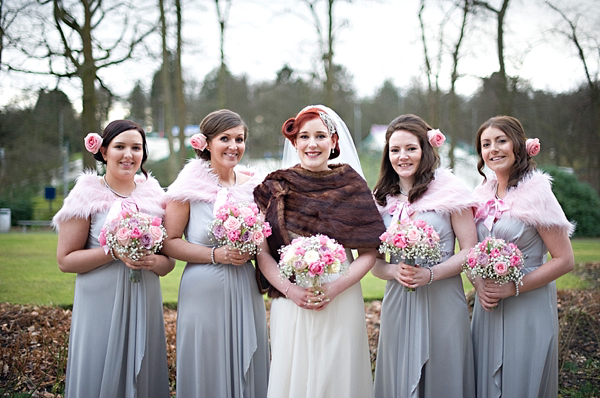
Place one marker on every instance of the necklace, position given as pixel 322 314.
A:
pixel 402 192
pixel 115 192
pixel 229 186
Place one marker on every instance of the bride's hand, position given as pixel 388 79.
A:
pixel 307 299
pixel 324 295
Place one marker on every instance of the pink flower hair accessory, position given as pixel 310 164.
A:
pixel 198 141
pixel 533 146
pixel 436 138
pixel 93 142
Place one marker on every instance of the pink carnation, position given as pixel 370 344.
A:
pixel 135 233
pixel 400 241
pixel 494 253
pixel 267 229
pixel 156 221
pixel 250 220
pixel 316 268
pixel 102 237
pixel 233 235
pixel 328 258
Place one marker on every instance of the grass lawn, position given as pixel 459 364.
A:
pixel 29 273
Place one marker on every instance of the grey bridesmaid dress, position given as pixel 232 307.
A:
pixel 424 340
pixel 516 345
pixel 222 343
pixel 117 345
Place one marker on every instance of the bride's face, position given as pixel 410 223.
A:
pixel 314 145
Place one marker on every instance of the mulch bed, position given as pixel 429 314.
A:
pixel 33 344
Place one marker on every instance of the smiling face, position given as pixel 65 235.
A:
pixel 124 154
pixel 314 145
pixel 405 155
pixel 497 150
pixel 227 148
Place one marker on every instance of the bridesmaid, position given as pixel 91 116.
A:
pixel 516 344
pixel 222 345
pixel 424 342
pixel 117 345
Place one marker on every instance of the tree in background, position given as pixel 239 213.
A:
pixel 138 105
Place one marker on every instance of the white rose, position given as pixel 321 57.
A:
pixel 311 256
pixel 289 256
pixel 335 267
pixel 331 245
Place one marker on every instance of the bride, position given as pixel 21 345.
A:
pixel 318 338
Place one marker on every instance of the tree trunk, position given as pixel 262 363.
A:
pixel 329 69
pixel 167 102
pixel 181 108
pixel 87 73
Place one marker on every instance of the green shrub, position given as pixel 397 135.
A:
pixel 579 201
pixel 21 208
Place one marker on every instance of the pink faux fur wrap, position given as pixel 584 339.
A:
pixel 197 182
pixel 90 196
pixel 445 194
pixel 531 201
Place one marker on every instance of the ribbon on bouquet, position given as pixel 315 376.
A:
pixel 401 211
pixel 220 200
pixel 116 208
pixel 491 211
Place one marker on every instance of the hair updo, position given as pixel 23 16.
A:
pixel 217 122
pixel 292 126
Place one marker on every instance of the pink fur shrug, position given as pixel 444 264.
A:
pixel 531 201
pixel 90 196
pixel 197 182
pixel 445 194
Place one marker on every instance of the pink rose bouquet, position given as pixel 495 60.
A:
pixel 410 239
pixel 495 259
pixel 241 226
pixel 132 234
pixel 311 258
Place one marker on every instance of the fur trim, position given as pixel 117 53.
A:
pixel 90 196
pixel 445 194
pixel 531 201
pixel 197 182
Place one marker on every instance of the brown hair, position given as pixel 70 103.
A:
pixel 117 127
pixel 389 181
pixel 515 132
pixel 217 122
pixel 292 126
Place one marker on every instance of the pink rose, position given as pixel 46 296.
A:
pixel 436 138
pixel 323 240
pixel 156 221
pixel 384 236
pixel 156 233
pixel 420 223
pixel 340 253
pixel 92 142
pixel 327 258
pixel 246 212
pixel 316 268
pixel 412 236
pixel 102 237
pixel 235 210
pixel 231 224
pixel 258 237
pixel 198 141
pixel 501 268
pixel 125 213
pixel 300 251
pixel 123 236
pixel 135 233
pixel 533 146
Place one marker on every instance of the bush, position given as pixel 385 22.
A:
pixel 579 201
pixel 20 208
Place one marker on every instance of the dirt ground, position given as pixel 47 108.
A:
pixel 33 343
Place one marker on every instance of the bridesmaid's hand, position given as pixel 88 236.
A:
pixel 487 300
pixel 228 255
pixel 141 263
pixel 413 276
pixel 498 291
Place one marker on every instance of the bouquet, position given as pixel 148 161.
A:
pixel 241 226
pixel 132 234
pixel 310 258
pixel 410 239
pixel 495 259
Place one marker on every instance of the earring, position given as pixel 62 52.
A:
pixel 332 150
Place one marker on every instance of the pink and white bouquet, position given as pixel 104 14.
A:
pixel 241 226
pixel 312 258
pixel 410 239
pixel 495 259
pixel 133 234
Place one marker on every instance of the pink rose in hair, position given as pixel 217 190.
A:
pixel 533 146
pixel 92 142
pixel 436 138
pixel 198 141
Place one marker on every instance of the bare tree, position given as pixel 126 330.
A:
pixel 223 16
pixel 80 52
pixel 503 91
pixel 179 96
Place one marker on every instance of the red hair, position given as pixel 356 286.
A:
pixel 292 126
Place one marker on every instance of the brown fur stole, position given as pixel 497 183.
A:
pixel 336 203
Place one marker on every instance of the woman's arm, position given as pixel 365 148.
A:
pixel 176 218
pixel 71 254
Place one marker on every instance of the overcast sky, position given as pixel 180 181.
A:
pixel 379 39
